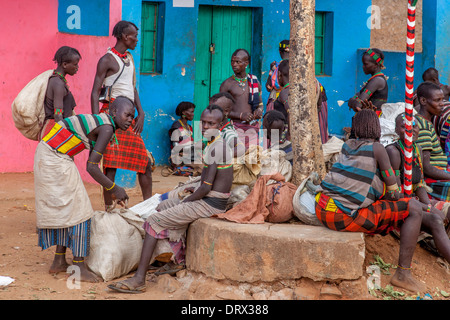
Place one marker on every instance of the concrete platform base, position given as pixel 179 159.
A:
pixel 268 252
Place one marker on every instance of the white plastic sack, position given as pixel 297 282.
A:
pixel 273 161
pixel 303 202
pixel 28 107
pixel 332 147
pixel 147 207
pixel 387 121
pixel 308 202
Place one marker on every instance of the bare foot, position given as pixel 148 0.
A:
pixel 59 265
pixel 403 279
pixel 88 276
pixel 85 274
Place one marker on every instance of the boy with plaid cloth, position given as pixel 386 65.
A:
pixel 360 194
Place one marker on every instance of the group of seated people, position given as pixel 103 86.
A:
pixel 362 192
pixel 364 189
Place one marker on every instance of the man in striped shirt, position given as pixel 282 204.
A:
pixel 431 100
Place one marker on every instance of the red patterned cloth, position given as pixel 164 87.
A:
pixel 381 217
pixel 129 154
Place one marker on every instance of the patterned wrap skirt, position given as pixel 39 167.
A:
pixel 381 217
pixel 129 154
pixel 76 238
pixel 440 189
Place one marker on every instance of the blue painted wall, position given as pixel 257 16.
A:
pixel 436 32
pixel 350 32
pixel 84 17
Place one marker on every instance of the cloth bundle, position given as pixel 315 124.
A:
pixel 265 203
pixel 28 107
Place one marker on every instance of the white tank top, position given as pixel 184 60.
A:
pixel 124 85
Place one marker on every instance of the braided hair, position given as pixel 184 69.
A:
pixel 213 107
pixel 219 95
pixel 272 116
pixel 367 125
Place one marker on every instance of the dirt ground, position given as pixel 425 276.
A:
pixel 22 260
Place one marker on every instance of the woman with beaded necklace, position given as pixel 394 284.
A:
pixel 376 88
pixel 59 101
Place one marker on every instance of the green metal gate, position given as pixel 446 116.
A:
pixel 221 30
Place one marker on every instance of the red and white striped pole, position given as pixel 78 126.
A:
pixel 410 43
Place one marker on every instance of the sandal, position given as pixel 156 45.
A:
pixel 170 268
pixel 123 287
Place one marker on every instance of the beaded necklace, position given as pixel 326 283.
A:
pixel 188 131
pixel 225 125
pixel 240 81
pixel 121 55
pixel 378 74
pixel 61 76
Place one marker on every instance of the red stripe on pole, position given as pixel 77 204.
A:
pixel 409 88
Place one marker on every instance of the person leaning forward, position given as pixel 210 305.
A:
pixel 63 208
pixel 116 68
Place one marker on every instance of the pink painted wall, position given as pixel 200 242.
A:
pixel 29 43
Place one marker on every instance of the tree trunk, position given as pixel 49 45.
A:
pixel 303 117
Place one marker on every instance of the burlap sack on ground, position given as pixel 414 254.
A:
pixel 117 238
pixel 116 243
pixel 274 161
pixel 163 252
pixel 247 167
pixel 28 107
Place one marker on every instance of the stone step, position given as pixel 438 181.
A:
pixel 268 252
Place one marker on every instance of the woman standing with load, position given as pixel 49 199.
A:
pixel 59 101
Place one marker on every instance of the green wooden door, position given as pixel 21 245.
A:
pixel 221 30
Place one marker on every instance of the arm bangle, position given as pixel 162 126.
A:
pixel 392 187
pixel 113 185
pixel 387 173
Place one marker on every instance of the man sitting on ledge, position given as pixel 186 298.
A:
pixel 174 218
